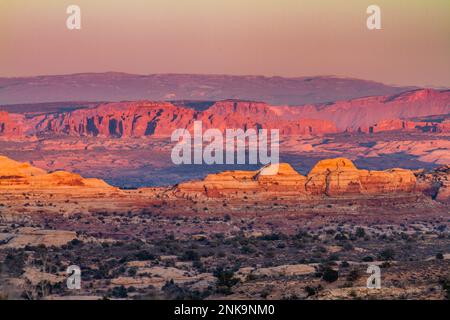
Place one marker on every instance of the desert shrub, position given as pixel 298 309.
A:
pixel 119 292
pixel 311 291
pixel 266 292
pixel 271 237
pixel 144 255
pixel 132 271
pixel 14 263
pixel 367 259
pixel 348 247
pixel 333 257
pixel 281 245
pixel 76 242
pixel 360 232
pixel 445 283
pixel 439 256
pixel 225 280
pixel 248 249
pixel 353 275
pixel 301 234
pixel 199 266
pixel 340 236
pixel 172 291
pixel 387 254
pixel 330 275
pixel 190 255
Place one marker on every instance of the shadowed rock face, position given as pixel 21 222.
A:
pixel 330 177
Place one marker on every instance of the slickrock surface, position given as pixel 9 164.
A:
pixel 33 236
pixel 330 177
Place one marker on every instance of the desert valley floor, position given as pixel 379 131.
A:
pixel 181 243
pixel 364 181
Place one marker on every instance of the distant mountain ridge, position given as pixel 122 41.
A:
pixel 114 86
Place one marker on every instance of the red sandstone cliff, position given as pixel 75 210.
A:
pixel 138 119
pixel 144 118
pixel 366 112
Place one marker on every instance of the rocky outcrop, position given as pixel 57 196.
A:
pixel 330 177
pixel 16 175
pixel 435 183
pixel 244 184
pixel 340 177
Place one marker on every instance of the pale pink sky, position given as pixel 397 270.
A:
pixel 262 37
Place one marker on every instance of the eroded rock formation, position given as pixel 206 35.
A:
pixel 244 184
pixel 16 175
pixel 330 177
pixel 340 176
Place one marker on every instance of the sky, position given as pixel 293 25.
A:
pixel 251 37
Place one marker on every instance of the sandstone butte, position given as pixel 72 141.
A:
pixel 330 177
pixel 17 175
